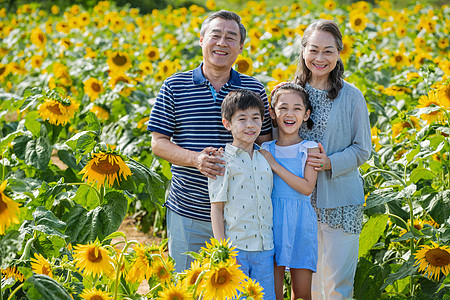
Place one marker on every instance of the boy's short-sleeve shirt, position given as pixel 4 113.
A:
pixel 246 189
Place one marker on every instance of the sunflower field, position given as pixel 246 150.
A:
pixel 77 87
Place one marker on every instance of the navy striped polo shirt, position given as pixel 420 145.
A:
pixel 187 109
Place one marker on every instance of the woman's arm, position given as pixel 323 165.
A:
pixel 303 185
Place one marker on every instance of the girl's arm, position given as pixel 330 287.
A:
pixel 303 185
pixel 217 220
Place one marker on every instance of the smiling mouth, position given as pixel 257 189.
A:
pixel 220 52
pixel 289 122
pixel 320 66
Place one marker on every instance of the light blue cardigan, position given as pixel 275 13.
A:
pixel 347 142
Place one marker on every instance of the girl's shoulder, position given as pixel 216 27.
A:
pixel 308 144
pixel 266 145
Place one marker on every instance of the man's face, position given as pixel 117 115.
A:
pixel 221 44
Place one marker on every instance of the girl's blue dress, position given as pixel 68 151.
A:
pixel 294 218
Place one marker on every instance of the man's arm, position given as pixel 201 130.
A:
pixel 263 138
pixel 204 161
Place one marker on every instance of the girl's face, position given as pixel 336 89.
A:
pixel 321 54
pixel 289 112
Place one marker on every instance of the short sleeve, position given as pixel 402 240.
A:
pixel 218 188
pixel 304 149
pixel 162 117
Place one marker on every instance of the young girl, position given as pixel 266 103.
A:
pixel 294 219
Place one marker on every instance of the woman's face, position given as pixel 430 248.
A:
pixel 321 54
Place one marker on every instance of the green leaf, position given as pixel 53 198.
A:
pixel 83 141
pixel 10 245
pixel 379 197
pixel 42 287
pixel 68 158
pixel 412 154
pixel 369 279
pixel 115 235
pixel 84 226
pixel 38 152
pixel 421 173
pixel 86 197
pixel 93 123
pixel 405 270
pixel 437 205
pixel 48 193
pixel 144 180
pixel 371 232
pixel 32 124
pixel 20 145
pixel 46 222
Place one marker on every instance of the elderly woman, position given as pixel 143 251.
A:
pixel 341 126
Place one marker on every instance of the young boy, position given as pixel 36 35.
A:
pixel 241 207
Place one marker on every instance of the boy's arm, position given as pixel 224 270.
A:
pixel 217 221
pixel 303 185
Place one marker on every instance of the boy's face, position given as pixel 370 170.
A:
pixel 245 126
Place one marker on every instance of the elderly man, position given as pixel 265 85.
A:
pixel 187 130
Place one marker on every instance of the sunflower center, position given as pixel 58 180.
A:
pixel 46 269
pixel 223 276
pixel 162 272
pixel 54 109
pixel 96 87
pixel 194 278
pixel 120 60
pixel 398 58
pixel 437 257
pixel 152 54
pixel 447 92
pixel 3 205
pixel 96 297
pixel 243 66
pixel 94 255
pixel 2 70
pixel 105 167
pixel 358 22
pixel 41 38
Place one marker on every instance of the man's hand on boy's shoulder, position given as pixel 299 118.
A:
pixel 208 162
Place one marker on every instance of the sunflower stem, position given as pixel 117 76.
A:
pixel 15 291
pixel 386 172
pixel 393 215
pixel 150 291
pixel 199 279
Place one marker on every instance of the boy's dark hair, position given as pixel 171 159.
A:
pixel 241 99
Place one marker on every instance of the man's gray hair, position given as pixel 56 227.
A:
pixel 226 15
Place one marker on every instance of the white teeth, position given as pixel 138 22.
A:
pixel 220 52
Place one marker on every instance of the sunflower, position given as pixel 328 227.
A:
pixel 4 71
pixel 443 43
pixel 222 281
pixel 253 289
pixel 163 271
pixel 8 210
pixel 100 111
pixel 220 251
pixel 95 294
pixel 420 59
pixel 93 87
pixel 330 4
pixel 443 94
pixel 151 53
pixel 358 21
pixel 41 266
pixel 398 60
pixel 192 273
pixel 401 31
pixel 348 47
pixel 274 29
pixel 433 259
pixel 427 101
pixel 140 268
pixel 58 112
pixel 105 168
pixel 119 61
pixel 174 292
pixel 93 259
pixel 145 36
pixel 117 78
pixel 146 67
pixel 63 27
pixel 36 61
pixel 10 272
pixel 278 74
pixel 38 38
pixel 210 4
pixel 244 65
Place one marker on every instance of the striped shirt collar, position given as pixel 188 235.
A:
pixel 198 78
